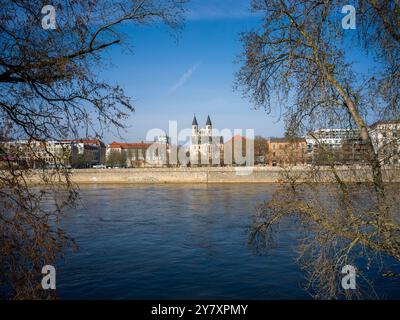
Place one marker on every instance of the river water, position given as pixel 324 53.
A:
pixel 179 242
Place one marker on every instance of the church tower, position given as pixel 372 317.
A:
pixel 208 126
pixel 195 132
pixel 195 126
pixel 203 145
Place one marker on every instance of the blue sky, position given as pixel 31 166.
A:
pixel 172 78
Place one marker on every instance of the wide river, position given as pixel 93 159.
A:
pixel 180 242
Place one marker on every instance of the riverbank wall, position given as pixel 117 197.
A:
pixel 206 175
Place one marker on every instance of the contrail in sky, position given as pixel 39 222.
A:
pixel 184 78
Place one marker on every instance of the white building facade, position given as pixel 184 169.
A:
pixel 385 137
pixel 332 138
pixel 205 148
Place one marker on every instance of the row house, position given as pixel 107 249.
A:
pixel 286 151
pixel 345 146
pixel 122 154
pixel 272 151
pixel 36 153
pixel 86 153
pixel 79 153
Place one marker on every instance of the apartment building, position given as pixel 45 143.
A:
pixel 286 151
pixel 385 137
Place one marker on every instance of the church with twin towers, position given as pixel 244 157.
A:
pixel 204 146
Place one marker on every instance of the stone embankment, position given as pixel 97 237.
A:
pixel 221 175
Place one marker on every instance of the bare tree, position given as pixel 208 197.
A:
pixel 298 57
pixel 260 149
pixel 117 158
pixel 51 89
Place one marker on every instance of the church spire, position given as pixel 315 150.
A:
pixel 208 123
pixel 194 123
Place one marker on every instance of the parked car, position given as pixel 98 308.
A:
pixel 99 166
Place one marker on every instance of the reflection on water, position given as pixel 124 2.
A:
pixel 178 242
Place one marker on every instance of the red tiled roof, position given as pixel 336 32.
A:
pixel 96 142
pixel 90 147
pixel 287 139
pixel 125 145
pixel 236 138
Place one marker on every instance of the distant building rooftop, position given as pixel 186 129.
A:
pixel 125 145
pixel 383 122
pixel 287 139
